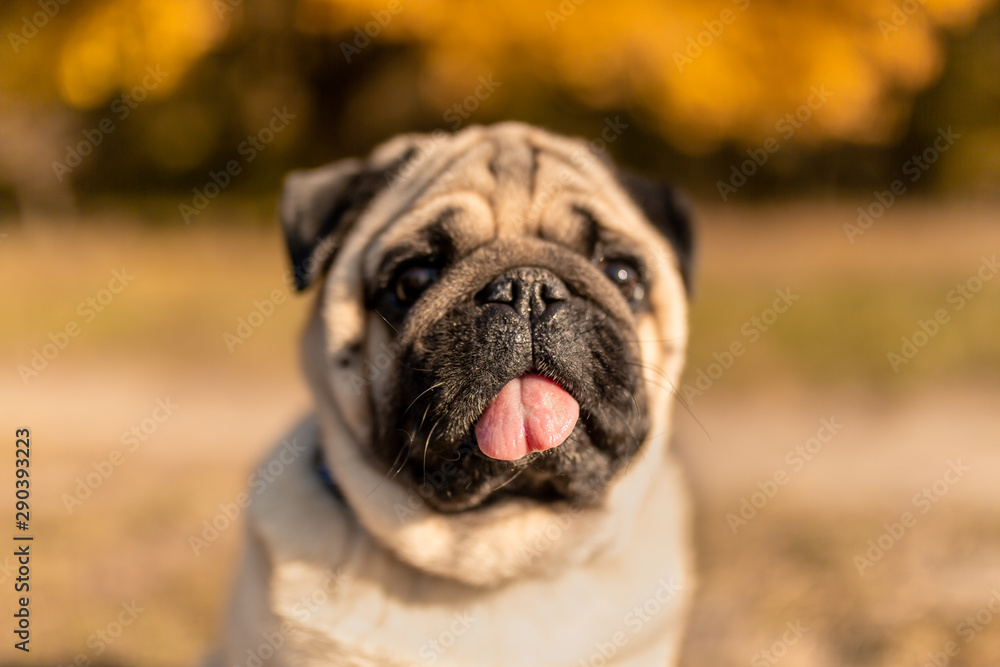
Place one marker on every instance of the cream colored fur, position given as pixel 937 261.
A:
pixel 538 584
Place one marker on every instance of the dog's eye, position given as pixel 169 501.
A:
pixel 626 277
pixel 412 281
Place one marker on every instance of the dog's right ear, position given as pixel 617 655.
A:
pixel 669 212
pixel 318 207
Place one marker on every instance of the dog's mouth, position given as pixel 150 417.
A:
pixel 465 432
pixel 523 388
pixel 530 414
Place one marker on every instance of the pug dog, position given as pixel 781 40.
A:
pixel 499 330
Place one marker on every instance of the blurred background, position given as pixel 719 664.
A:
pixel 843 165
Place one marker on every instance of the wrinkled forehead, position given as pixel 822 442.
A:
pixel 480 184
pixel 466 190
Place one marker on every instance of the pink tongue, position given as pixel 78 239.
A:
pixel 530 414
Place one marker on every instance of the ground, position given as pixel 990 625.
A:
pixel 845 503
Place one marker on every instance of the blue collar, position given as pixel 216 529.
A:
pixel 323 472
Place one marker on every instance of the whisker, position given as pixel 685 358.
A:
pixel 401 455
pixel 675 393
pixel 638 445
pixel 427 444
pixel 631 394
pixel 430 388
pixel 512 478
pixel 394 330
pixel 423 418
pixel 656 340
pixel 415 368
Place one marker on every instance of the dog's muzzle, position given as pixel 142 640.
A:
pixel 532 413
pixel 529 292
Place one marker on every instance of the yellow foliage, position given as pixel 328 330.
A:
pixel 700 72
pixel 697 73
pixel 113 44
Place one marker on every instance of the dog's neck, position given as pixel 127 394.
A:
pixel 337 591
pixel 322 471
pixel 489 545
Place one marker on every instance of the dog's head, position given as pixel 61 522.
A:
pixel 501 323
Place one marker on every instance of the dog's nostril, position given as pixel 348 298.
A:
pixel 500 290
pixel 528 291
pixel 554 291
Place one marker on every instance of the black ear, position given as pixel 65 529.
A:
pixel 667 210
pixel 318 208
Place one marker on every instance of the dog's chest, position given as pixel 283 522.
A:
pixel 365 607
pixel 373 615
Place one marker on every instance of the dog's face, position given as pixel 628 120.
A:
pixel 519 370
pixel 498 306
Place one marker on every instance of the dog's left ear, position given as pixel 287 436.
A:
pixel 669 212
pixel 318 206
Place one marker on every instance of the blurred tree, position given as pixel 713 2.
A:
pixel 697 72
pixel 59 55
pixel 180 85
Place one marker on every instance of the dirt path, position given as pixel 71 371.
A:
pixel 791 557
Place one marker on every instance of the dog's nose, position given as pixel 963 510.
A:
pixel 529 291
